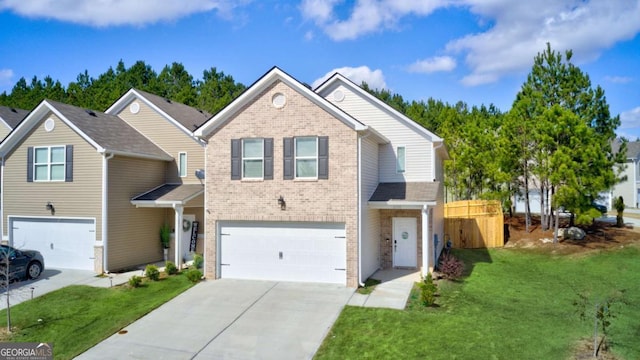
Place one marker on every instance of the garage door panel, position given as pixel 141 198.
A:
pixel 64 243
pixel 312 252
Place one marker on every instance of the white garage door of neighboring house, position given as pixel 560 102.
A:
pixel 283 251
pixel 64 243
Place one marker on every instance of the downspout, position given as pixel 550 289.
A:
pixel 360 138
pixel 426 259
pixel 105 197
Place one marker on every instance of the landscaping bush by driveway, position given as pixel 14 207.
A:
pixel 513 304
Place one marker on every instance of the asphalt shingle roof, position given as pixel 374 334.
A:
pixel 171 192
pixel 12 116
pixel 109 131
pixel 188 116
pixel 409 191
pixel 633 148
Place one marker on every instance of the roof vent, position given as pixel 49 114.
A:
pixel 90 112
pixel 13 110
pixel 167 100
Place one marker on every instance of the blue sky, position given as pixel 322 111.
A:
pixel 476 51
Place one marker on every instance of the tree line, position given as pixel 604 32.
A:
pixel 556 138
pixel 210 93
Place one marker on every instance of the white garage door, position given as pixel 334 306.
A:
pixel 308 252
pixel 64 243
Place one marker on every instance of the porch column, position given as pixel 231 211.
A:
pixel 178 235
pixel 426 245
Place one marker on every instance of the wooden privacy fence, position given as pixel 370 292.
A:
pixel 474 224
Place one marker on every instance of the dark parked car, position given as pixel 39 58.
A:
pixel 23 264
pixel 603 209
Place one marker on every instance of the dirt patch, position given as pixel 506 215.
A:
pixel 584 351
pixel 599 236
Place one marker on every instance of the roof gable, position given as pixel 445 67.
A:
pixel 185 117
pixel 338 79
pixel 255 90
pixel 106 133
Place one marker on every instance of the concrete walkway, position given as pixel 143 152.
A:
pixel 392 293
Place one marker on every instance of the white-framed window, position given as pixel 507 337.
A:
pixel 253 158
pixel 306 157
pixel 182 164
pixel 400 159
pixel 49 163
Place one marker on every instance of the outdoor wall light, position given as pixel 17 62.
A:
pixel 282 203
pixel 50 207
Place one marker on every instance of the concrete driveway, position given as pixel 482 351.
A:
pixel 232 319
pixel 50 280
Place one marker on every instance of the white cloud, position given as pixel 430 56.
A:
pixel 367 16
pixel 373 78
pixel 102 13
pixel 522 28
pixel 630 119
pixel 618 79
pixel 434 64
pixel 513 31
pixel 5 76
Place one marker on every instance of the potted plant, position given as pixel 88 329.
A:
pixel 165 239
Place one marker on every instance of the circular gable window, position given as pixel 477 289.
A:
pixel 134 108
pixel 49 124
pixel 279 100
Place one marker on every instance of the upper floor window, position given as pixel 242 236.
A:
pixel 306 157
pixel 400 159
pixel 49 163
pixel 182 164
pixel 252 158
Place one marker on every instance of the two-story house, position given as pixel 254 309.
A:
pixel 320 186
pixel 90 190
pixel 630 188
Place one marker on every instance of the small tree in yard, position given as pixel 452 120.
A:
pixel 618 204
pixel 604 310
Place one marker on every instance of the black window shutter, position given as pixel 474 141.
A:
pixel 68 176
pixel 236 159
pixel 30 164
pixel 268 159
pixel 287 147
pixel 323 157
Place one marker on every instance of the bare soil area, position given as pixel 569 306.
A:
pixel 599 236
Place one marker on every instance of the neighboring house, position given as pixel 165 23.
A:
pixel 321 186
pixel 630 188
pixel 9 119
pixel 90 190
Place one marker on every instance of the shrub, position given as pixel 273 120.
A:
pixel 170 268
pixel 152 272
pixel 135 281
pixel 194 275
pixel 428 291
pixel 198 261
pixel 450 267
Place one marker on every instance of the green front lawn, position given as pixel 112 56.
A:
pixel 514 304
pixel 77 317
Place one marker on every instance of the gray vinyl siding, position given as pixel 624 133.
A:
pixel 80 198
pixel 370 217
pixel 168 137
pixel 133 236
pixel 4 131
pixel 628 189
pixel 418 146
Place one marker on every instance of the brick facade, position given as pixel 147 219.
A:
pixel 332 200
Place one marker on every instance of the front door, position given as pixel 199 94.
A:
pixel 405 249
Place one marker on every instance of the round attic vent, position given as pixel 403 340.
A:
pixel 134 108
pixel 338 95
pixel 279 100
pixel 49 124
